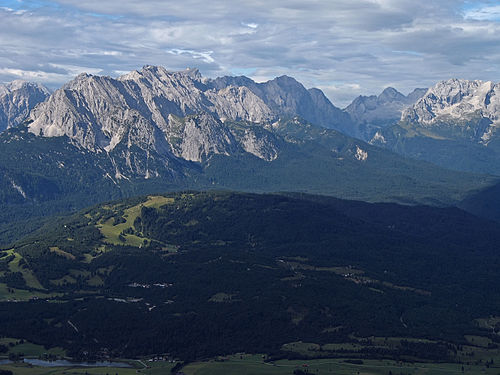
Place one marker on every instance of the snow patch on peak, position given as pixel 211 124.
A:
pixel 456 99
pixel 378 137
pixel 458 108
pixel 361 154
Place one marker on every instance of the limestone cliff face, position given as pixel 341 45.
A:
pixel 195 138
pixel 177 114
pixel 288 98
pixel 458 108
pixel 17 99
pixel 99 112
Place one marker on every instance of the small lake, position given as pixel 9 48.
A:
pixel 65 363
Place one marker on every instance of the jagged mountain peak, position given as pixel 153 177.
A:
pixel 221 82
pixel 455 124
pixel 96 111
pixel 286 80
pixel 391 94
pixel 141 111
pixel 17 99
pixel 20 84
pixel 372 113
pixel 84 79
pixel 416 94
pixel 457 99
pixel 454 88
pixel 193 73
pixel 161 73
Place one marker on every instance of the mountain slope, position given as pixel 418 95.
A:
pixel 202 274
pixel 51 175
pixel 289 98
pixel 17 99
pixel 372 113
pixel 99 112
pixel 290 155
pixel 454 125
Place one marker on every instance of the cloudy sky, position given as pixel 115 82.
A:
pixel 344 47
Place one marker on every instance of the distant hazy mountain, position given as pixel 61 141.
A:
pixel 372 113
pixel 455 124
pixel 17 99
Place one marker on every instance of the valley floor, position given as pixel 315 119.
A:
pixel 243 364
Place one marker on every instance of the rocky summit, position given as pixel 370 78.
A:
pixel 471 109
pixel 455 125
pixel 372 113
pixel 17 99
pixel 145 107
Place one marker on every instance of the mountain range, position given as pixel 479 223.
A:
pixel 100 112
pixel 152 130
pixel 453 125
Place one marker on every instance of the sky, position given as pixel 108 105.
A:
pixel 344 47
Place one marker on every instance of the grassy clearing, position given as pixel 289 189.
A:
pixel 22 295
pixel 155 368
pixel 30 349
pixel 95 281
pixel 87 258
pixel 244 364
pixel 113 233
pixel 105 271
pixel 478 351
pixel 253 365
pixel 488 323
pixel 29 277
pixel 170 248
pixel 313 349
pixel 78 273
pixel 301 347
pixel 392 342
pixel 23 369
pixel 63 281
pixel 478 354
pixel 349 273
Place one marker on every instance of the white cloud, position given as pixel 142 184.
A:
pixel 346 47
pixel 32 75
pixel 484 13
pixel 251 25
pixel 206 56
